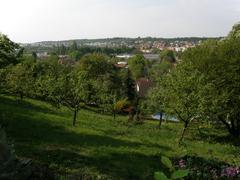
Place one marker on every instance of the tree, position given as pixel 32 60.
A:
pixel 76 55
pixel 205 85
pixel 95 65
pixel 220 88
pixel 106 93
pixel 34 55
pixel 215 67
pixel 126 85
pixel 160 69
pixel 20 79
pixel 74 46
pixel 137 66
pixel 10 52
pixel 177 95
pixel 74 91
pixel 154 102
pixel 235 32
pixel 62 85
pixel 168 55
pixel 48 80
pixel 62 49
pixel 3 80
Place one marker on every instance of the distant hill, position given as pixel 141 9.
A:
pixel 117 41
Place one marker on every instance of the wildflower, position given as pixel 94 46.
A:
pixel 182 163
pixel 230 171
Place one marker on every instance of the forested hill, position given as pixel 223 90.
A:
pixel 117 41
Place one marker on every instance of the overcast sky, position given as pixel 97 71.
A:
pixel 39 20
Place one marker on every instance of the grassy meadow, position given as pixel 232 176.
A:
pixel 100 146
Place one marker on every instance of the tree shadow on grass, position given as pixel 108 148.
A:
pixel 46 144
pixel 28 106
pixel 51 143
pixel 43 132
pixel 23 128
pixel 113 165
pixel 218 138
pixel 121 165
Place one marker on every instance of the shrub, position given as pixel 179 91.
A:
pixel 174 174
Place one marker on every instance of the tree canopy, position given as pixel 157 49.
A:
pixel 205 85
pixel 10 52
pixel 137 66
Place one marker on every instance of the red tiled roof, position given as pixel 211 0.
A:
pixel 143 85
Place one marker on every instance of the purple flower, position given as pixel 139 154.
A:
pixel 182 163
pixel 230 171
pixel 238 170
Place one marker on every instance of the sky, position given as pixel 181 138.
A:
pixel 26 21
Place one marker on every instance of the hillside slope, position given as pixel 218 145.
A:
pixel 98 145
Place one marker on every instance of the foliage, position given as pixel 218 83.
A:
pixel 137 66
pixel 168 55
pixel 74 91
pixel 204 86
pixel 208 169
pixel 48 77
pixel 75 55
pixel 10 52
pixel 159 69
pixel 235 32
pixel 121 104
pixel 74 46
pixel 106 93
pixel 127 84
pixel 175 174
pixel 175 94
pixel 218 86
pixel 19 80
pixel 95 65
pixel 3 80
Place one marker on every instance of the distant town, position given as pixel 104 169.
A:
pixel 146 45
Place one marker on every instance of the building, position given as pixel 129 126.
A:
pixel 142 86
pixel 121 64
pixel 66 60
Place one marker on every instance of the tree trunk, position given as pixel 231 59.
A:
pixel 160 121
pixel 75 117
pixel 21 96
pixel 238 126
pixel 232 129
pixel 183 132
pixel 235 132
pixel 114 115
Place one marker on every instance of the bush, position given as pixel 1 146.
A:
pixel 172 172
pixel 200 168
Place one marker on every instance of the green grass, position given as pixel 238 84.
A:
pixel 99 144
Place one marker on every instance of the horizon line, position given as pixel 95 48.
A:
pixel 104 38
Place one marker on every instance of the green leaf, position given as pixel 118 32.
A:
pixel 160 176
pixel 179 174
pixel 166 162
